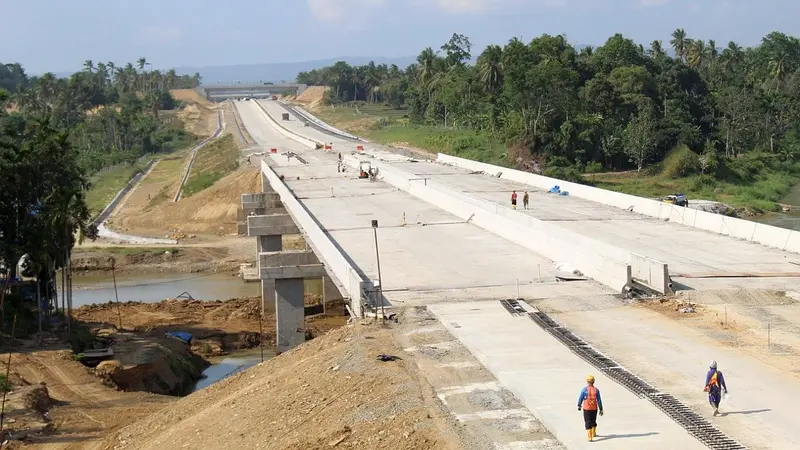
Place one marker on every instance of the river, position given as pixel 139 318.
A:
pixel 229 365
pixel 790 220
pixel 151 288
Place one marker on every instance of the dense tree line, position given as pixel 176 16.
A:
pixel 110 112
pixel 54 132
pixel 620 105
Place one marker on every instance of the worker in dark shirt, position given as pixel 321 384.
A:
pixel 715 386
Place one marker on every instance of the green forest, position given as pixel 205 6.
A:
pixel 723 121
pixel 54 134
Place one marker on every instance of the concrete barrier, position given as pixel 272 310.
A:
pixel 766 235
pixel 651 273
pixel 311 143
pixel 337 265
pixel 319 123
pixel 606 264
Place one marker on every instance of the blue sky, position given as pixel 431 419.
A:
pixel 59 35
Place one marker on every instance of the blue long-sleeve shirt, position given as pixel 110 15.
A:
pixel 720 378
pixel 585 394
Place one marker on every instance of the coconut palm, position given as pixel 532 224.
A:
pixel 490 69
pixel 697 54
pixel 679 43
pixel 732 57
pixel 656 48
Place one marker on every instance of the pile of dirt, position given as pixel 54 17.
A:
pixel 218 327
pixel 331 392
pixel 189 96
pixel 211 211
pixel 312 97
pixel 38 399
pixel 198 119
pixel 158 365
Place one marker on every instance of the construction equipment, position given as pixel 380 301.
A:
pixel 367 171
pixel 274 97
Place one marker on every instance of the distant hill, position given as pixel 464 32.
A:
pixel 277 72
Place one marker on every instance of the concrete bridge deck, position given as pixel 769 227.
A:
pixel 687 250
pixel 448 262
pixel 434 257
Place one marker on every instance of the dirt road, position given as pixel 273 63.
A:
pixel 86 410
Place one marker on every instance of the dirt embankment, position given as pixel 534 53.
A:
pixel 218 327
pixel 178 259
pixel 331 392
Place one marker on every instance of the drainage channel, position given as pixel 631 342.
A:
pixel 696 425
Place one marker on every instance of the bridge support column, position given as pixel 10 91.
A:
pixel 290 313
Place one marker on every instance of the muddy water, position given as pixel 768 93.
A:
pixel 153 288
pixel 790 220
pixel 230 365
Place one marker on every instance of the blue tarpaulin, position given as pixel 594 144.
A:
pixel 181 336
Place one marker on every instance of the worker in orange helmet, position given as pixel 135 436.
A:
pixel 590 402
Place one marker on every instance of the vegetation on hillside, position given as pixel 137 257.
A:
pixel 54 133
pixel 619 106
pixel 215 160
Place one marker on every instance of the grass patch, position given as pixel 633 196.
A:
pixel 214 161
pixel 106 185
pixel 467 144
pixel 358 112
pixel 761 194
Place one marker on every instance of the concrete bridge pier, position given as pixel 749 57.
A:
pixel 282 272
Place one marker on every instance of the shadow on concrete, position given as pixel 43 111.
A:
pixel 680 286
pixel 746 413
pixel 624 436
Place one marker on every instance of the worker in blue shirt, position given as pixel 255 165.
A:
pixel 715 386
pixel 590 402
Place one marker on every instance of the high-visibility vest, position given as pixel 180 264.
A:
pixel 713 382
pixel 590 402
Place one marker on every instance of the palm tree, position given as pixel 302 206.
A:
pixel 490 69
pixel 88 65
pixel 732 57
pixel 713 53
pixel 697 54
pixel 141 62
pixel 777 69
pixel 656 48
pixel 679 43
pixel 426 66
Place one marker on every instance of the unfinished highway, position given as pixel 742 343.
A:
pixel 433 257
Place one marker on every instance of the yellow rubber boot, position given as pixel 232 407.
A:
pixel 589 435
pixel 594 432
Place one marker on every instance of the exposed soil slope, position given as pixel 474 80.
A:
pixel 329 393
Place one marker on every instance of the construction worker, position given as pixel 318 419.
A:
pixel 514 199
pixel 715 386
pixel 590 402
pixel 525 199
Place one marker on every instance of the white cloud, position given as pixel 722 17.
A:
pixel 479 6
